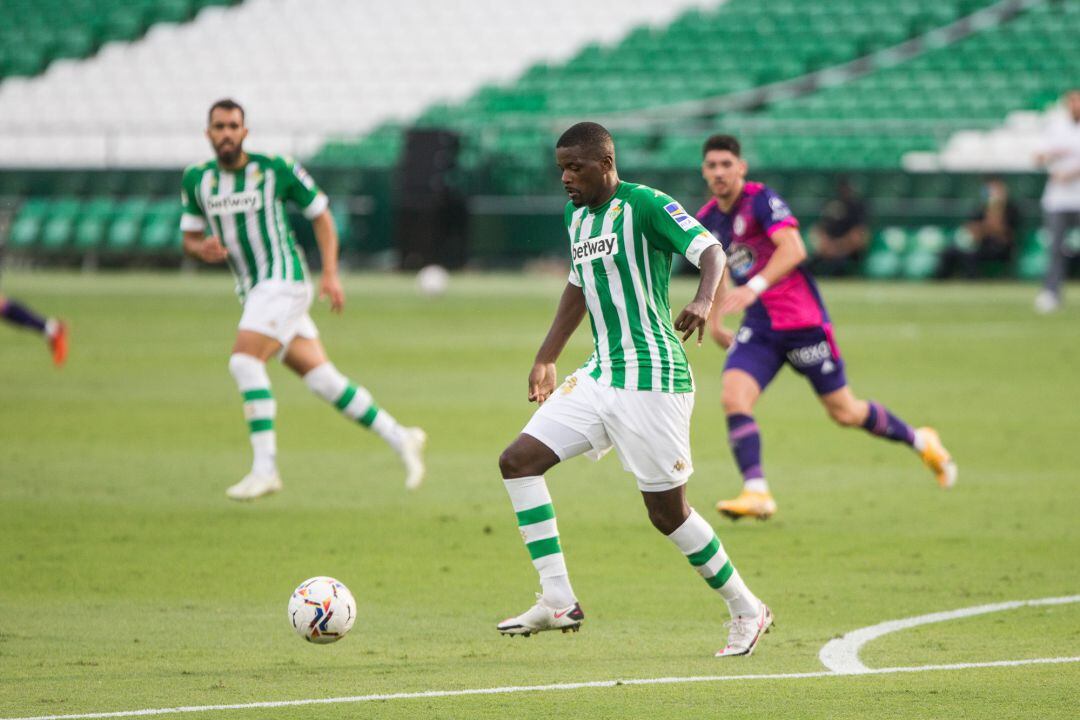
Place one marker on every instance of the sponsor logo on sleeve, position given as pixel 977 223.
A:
pixel 680 216
pixel 779 209
pixel 234 203
pixel 594 248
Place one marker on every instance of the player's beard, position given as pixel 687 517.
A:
pixel 229 156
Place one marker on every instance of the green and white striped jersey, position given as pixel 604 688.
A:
pixel 621 253
pixel 245 208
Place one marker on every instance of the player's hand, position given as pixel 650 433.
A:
pixel 330 287
pixel 736 300
pixel 694 317
pixel 541 382
pixel 211 250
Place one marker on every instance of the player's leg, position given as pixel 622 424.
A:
pixel 247 364
pixel 54 331
pixel 651 434
pixel 849 411
pixel 1049 298
pixel 306 357
pixel 750 366
pixel 563 427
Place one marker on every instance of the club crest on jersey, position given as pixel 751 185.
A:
pixel 594 248
pixel 739 226
pixel 741 259
pixel 234 203
pixel 675 210
pixel 615 210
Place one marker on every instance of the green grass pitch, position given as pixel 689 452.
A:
pixel 128 581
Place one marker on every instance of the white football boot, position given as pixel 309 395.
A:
pixel 745 632
pixel 412 454
pixel 254 485
pixel 541 617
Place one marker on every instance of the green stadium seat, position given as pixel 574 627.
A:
pixel 161 228
pixel 59 227
pixel 92 224
pixel 26 230
pixel 124 232
pixel 885 256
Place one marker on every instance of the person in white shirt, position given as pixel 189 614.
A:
pixel 1060 155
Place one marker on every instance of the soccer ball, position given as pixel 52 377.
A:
pixel 432 280
pixel 322 610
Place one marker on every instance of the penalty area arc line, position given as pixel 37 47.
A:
pixel 842 654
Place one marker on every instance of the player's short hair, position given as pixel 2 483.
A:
pixel 722 142
pixel 594 137
pixel 225 104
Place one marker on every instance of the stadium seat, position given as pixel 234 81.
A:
pixel 124 232
pixel 92 224
pixel 161 228
pixel 26 230
pixel 59 227
pixel 885 256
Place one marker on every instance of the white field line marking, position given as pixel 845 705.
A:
pixel 542 688
pixel 921 620
pixel 842 654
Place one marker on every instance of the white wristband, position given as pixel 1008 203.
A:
pixel 758 284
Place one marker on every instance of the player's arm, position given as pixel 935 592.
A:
pixel 193 222
pixel 327 239
pixel 202 247
pixel 568 316
pixel 695 316
pixel 790 251
pixel 717 331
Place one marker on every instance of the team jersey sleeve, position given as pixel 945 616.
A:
pixel 673 229
pixel 772 213
pixel 568 214
pixel 192 218
pixel 301 189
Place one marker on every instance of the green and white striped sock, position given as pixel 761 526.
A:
pixel 536 522
pixel 354 402
pixel 701 546
pixel 259 410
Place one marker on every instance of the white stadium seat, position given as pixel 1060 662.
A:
pixel 304 69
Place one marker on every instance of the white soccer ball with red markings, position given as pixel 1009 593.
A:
pixel 322 610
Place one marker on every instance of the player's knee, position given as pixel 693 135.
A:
pixel 248 370
pixel 513 463
pixel 734 402
pixel 843 415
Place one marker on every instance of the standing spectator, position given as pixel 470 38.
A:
pixel 840 237
pixel 1060 155
pixel 993 228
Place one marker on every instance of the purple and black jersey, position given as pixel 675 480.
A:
pixel 793 302
pixel 788 323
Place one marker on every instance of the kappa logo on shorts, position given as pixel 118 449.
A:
pixel 744 335
pixel 568 385
pixel 594 248
pixel 811 355
pixel 234 203
pixel 680 465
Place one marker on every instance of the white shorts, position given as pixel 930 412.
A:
pixel 650 431
pixel 279 309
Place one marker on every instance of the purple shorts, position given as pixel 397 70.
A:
pixel 812 352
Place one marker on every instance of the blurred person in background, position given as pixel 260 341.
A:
pixel 841 235
pixel 240 197
pixel 993 228
pixel 54 331
pixel 1060 155
pixel 785 323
